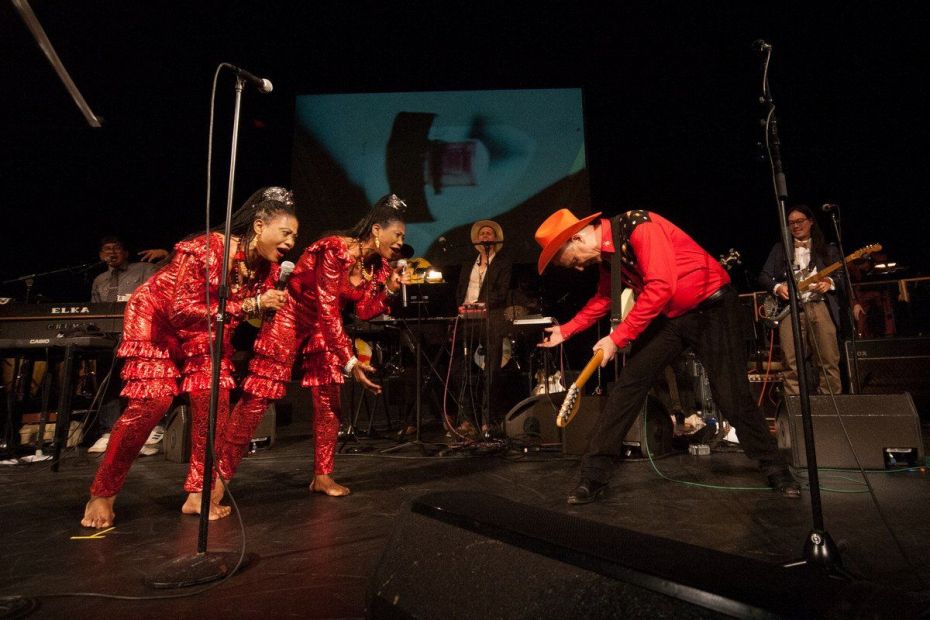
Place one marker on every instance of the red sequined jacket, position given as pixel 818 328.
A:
pixel 166 320
pixel 311 320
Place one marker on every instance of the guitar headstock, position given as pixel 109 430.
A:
pixel 730 258
pixel 569 408
pixel 869 249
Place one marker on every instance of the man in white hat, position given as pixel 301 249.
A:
pixel 683 299
pixel 486 282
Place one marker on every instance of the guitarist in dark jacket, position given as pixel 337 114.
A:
pixel 820 305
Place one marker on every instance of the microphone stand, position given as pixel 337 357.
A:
pixel 819 548
pixel 30 279
pixel 852 360
pixel 204 567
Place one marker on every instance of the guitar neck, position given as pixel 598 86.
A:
pixel 589 369
pixel 820 275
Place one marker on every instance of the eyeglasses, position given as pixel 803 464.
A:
pixel 794 223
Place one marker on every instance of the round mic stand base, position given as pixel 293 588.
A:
pixel 194 569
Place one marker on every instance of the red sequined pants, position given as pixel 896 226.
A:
pixel 133 428
pixel 247 415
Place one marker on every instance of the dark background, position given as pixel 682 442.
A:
pixel 670 95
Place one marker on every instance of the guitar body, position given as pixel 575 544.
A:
pixel 774 309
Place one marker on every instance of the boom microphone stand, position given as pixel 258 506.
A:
pixel 203 567
pixel 819 548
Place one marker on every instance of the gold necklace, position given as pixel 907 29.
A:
pixel 367 275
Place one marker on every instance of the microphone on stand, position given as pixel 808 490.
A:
pixel 261 84
pixel 760 45
pixel 402 263
pixel 828 207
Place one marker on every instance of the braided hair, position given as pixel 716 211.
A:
pixel 265 204
pixel 387 210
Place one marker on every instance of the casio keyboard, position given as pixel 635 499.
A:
pixel 64 332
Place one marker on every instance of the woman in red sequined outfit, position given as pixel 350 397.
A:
pixel 350 267
pixel 166 338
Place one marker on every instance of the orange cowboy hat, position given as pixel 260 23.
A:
pixel 555 231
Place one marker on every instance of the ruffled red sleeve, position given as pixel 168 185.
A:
pixel 189 303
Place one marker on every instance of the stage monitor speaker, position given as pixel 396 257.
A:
pixel 652 424
pixel 883 430
pixel 474 555
pixel 532 419
pixel 892 366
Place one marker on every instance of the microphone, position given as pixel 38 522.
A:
pixel 488 244
pixel 828 207
pixel 286 268
pixel 263 85
pixel 760 45
pixel 402 263
pixel 443 244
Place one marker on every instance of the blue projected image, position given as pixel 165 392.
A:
pixel 454 157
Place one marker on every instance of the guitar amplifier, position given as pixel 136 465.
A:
pixel 891 366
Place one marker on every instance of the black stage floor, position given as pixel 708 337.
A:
pixel 314 555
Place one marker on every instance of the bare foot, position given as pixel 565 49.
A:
pixel 192 504
pixel 98 513
pixel 325 484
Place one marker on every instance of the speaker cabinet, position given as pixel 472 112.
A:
pixel 880 427
pixel 474 555
pixel 892 366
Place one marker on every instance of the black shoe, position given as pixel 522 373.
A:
pixel 587 492
pixel 784 483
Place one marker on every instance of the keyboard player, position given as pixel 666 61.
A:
pixel 116 284
pixel 486 281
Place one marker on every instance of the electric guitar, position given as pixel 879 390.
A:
pixel 572 402
pixel 774 309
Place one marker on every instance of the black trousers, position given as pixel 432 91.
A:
pixel 713 333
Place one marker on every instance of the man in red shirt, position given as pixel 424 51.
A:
pixel 683 299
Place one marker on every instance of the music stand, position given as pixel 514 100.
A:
pixel 418 352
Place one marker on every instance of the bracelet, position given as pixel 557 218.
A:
pixel 350 366
pixel 258 303
pixel 389 292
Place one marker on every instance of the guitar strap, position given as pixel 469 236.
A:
pixel 616 280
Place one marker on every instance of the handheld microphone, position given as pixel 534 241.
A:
pixel 261 84
pixel 828 207
pixel 402 263
pixel 286 268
